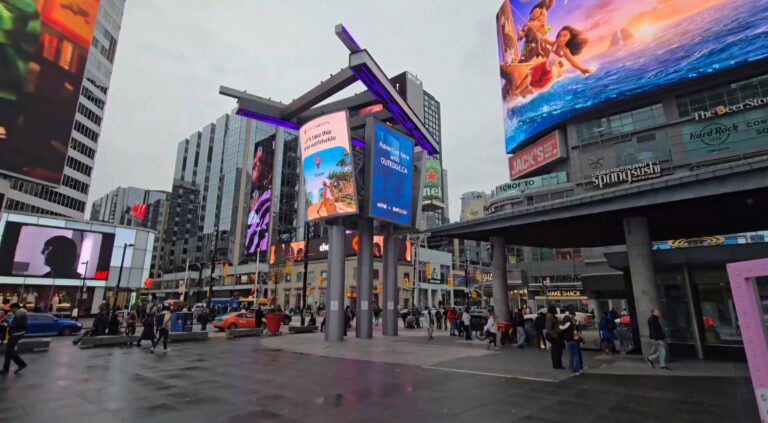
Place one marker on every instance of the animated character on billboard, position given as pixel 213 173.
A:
pixel 534 32
pixel 326 201
pixel 19 31
pixel 260 204
pixel 569 43
pixel 60 255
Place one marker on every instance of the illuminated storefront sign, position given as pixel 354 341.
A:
pixel 544 151
pixel 519 186
pixel 722 110
pixel 726 134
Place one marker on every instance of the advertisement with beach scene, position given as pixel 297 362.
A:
pixel 560 58
pixel 327 167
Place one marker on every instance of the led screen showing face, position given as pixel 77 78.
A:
pixel 48 252
pixel 260 203
pixel 560 58
pixel 391 174
pixel 43 49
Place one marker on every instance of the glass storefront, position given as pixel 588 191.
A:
pixel 674 305
pixel 718 311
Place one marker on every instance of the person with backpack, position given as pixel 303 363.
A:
pixel 554 337
pixel 376 314
pixel 607 328
pixel 148 331
pixel 165 329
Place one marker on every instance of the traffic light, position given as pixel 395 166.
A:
pixel 428 268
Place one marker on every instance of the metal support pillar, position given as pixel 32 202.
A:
pixel 334 326
pixel 695 322
pixel 499 269
pixel 390 284
pixel 364 313
pixel 642 274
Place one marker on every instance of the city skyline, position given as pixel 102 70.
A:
pixel 182 89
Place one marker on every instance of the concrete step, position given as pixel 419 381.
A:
pixel 238 333
pixel 29 344
pixel 302 329
pixel 103 341
pixel 187 336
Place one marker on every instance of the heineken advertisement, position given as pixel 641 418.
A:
pixel 727 134
pixel 433 181
pixel 518 186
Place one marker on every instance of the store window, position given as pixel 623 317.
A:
pixel 717 307
pixel 673 302
pixel 614 126
pixel 515 255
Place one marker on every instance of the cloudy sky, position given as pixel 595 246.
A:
pixel 174 54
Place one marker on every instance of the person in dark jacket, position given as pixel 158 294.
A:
pixel 148 332
pixel 100 323
pixel 656 333
pixel 538 326
pixel 570 332
pixel 518 321
pixel 259 316
pixel 16 331
pixel 203 318
pixel 554 336
pixel 113 327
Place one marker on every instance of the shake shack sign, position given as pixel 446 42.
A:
pixel 627 174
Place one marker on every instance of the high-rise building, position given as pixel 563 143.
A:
pixel 69 200
pixel 212 186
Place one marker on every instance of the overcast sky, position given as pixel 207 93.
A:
pixel 173 55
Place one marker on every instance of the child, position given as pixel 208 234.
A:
pixel 569 43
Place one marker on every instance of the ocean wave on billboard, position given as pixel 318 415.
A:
pixel 715 39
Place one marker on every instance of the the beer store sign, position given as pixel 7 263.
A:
pixel 747 104
pixel 627 174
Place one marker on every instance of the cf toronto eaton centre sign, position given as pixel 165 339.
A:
pixel 627 174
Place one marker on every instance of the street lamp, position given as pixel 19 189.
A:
pixel 80 291
pixel 120 275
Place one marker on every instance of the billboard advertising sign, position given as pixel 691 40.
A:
pixel 522 185
pixel 559 59
pixel 319 247
pixel 260 202
pixel 43 50
pixel 433 181
pixel 390 173
pixel 48 252
pixel 544 151
pixel 327 166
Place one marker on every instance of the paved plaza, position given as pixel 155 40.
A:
pixel 300 378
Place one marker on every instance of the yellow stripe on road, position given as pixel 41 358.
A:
pixel 536 379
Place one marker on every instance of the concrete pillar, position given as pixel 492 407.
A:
pixel 390 284
pixel 429 297
pixel 452 303
pixel 499 269
pixel 334 326
pixel 364 313
pixel 642 274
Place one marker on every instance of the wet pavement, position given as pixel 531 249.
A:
pixel 253 379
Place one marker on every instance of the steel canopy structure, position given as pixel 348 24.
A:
pixel 362 67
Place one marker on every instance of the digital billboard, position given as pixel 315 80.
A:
pixel 260 200
pixel 318 249
pixel 390 175
pixel 433 181
pixel 43 50
pixel 559 58
pixel 49 252
pixel 327 166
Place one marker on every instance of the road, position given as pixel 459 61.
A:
pixel 262 380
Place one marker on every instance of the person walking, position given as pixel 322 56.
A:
pixel 165 329
pixel 491 330
pixel 554 337
pixel 347 320
pixel 538 326
pixel 450 314
pixel 607 328
pixel 429 322
pixel 439 319
pixel 148 329
pixel 572 339
pixel 376 313
pixel 467 320
pixel 656 333
pixel 130 323
pixel 100 322
pixel 16 331
pixel 203 318
pixel 518 322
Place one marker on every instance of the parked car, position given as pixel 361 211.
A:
pixel 45 324
pixel 236 320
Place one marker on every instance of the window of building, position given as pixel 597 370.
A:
pixel 515 255
pixel 88 113
pixel 91 96
pixel 85 131
pixel 724 95
pixel 81 148
pixel 620 124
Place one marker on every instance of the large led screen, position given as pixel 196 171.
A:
pixel 47 252
pixel 390 175
pixel 559 58
pixel 43 49
pixel 327 166
pixel 260 202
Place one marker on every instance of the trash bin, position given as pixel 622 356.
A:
pixel 182 321
pixel 274 320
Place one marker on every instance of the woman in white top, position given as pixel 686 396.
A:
pixel 490 331
pixel 466 319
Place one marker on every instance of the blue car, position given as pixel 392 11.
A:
pixel 44 324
